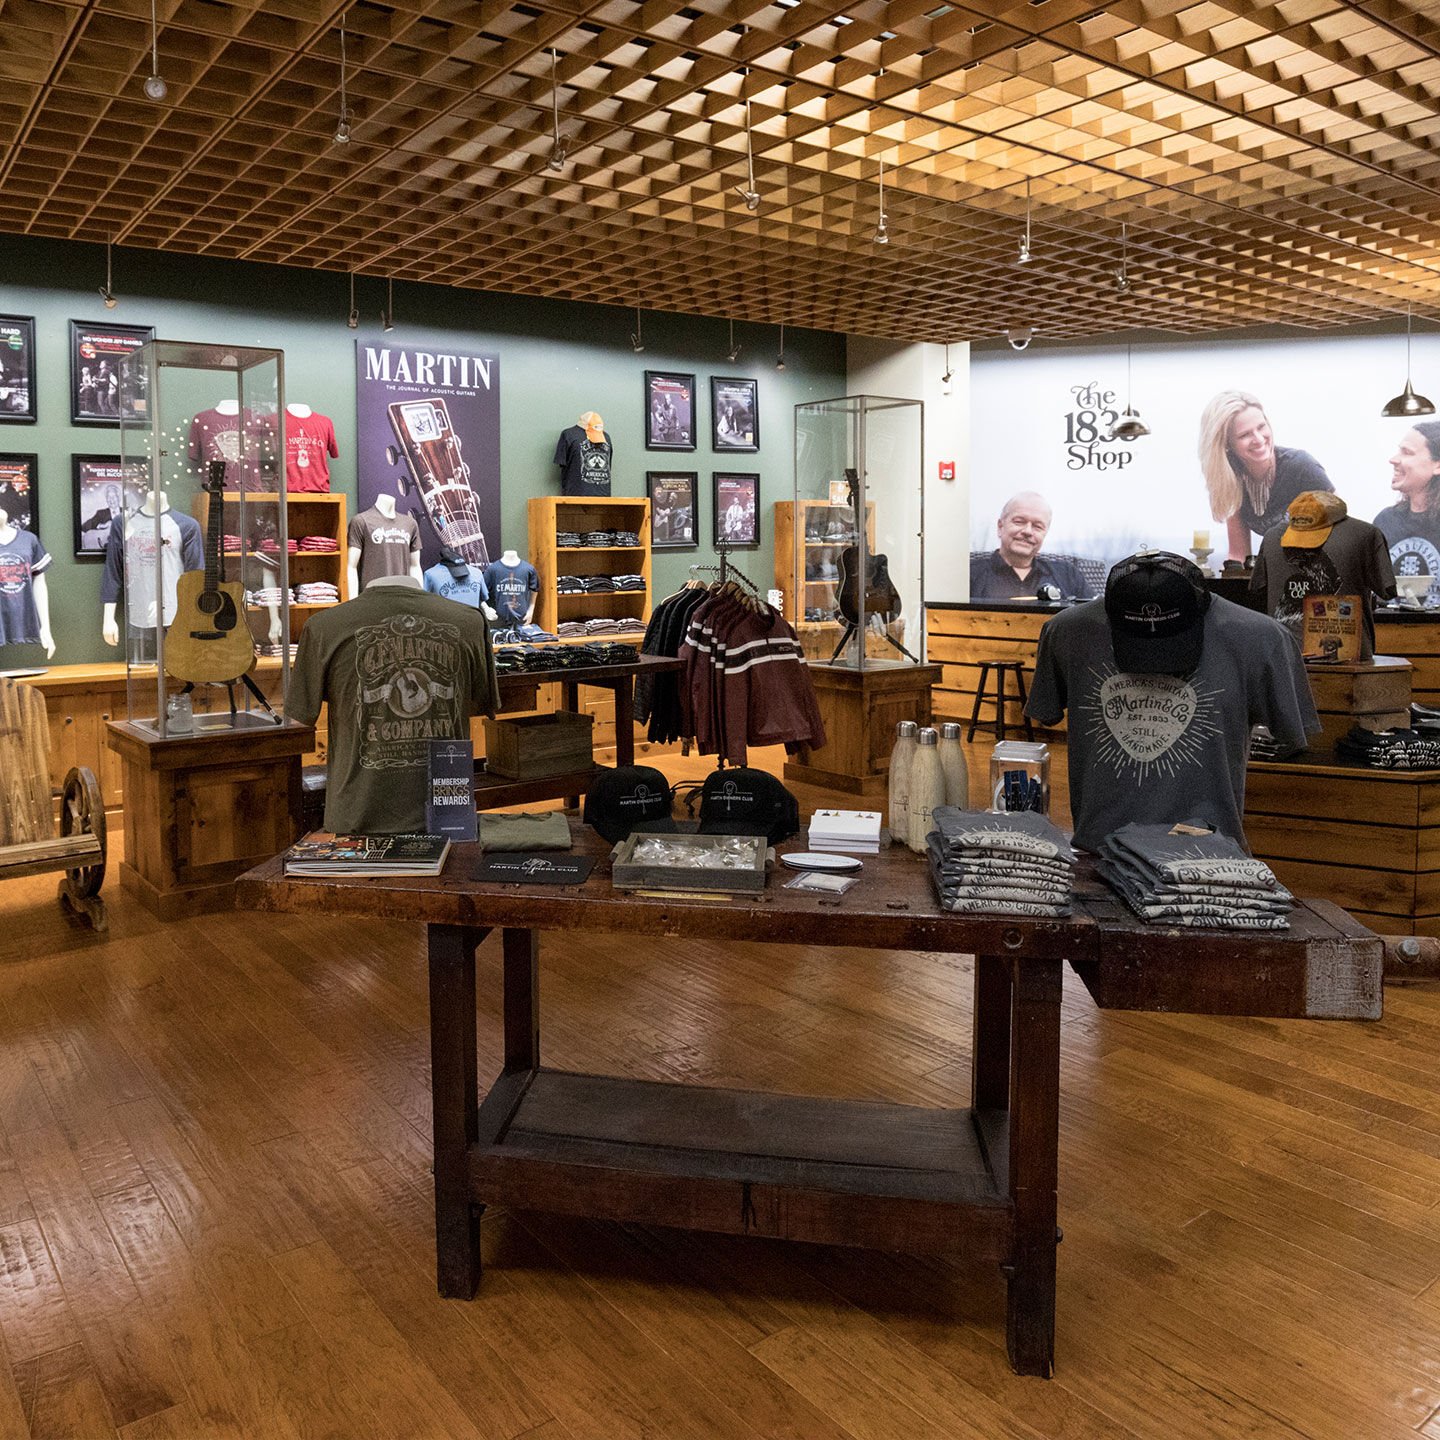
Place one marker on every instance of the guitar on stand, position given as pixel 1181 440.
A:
pixel 209 642
pixel 865 586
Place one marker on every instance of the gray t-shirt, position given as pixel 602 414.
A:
pixel 1158 747
pixel 1354 560
pixel 398 668
pixel 385 546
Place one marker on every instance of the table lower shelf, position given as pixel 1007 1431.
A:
pixel 838 1172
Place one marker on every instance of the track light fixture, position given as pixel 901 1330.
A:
pixel 155 86
pixel 733 353
pixel 342 123
pixel 387 315
pixel 1122 271
pixel 107 292
pixel 949 374
pixel 1129 426
pixel 558 145
pixel 780 358
pixel 1022 255
pixel 747 192
pixel 637 338
pixel 1407 403
pixel 882 233
pixel 353 318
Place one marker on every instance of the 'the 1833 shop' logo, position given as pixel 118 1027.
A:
pixel 1087 430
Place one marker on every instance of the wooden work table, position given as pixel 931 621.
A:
pixel 978 1182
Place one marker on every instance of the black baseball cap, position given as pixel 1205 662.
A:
pixel 1156 604
pixel 747 802
pixel 626 799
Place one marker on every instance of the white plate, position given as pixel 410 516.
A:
pixel 820 860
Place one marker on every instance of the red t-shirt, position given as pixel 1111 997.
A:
pixel 309 440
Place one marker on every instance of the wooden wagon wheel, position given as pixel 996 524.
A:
pixel 82 812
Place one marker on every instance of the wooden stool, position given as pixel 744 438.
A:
pixel 1001 669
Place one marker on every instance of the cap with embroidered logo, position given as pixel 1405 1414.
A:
pixel 1313 514
pixel 1156 604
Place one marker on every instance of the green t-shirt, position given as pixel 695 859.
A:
pixel 398 668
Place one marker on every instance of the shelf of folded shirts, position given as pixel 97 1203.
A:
pixel 300 605
pixel 594 549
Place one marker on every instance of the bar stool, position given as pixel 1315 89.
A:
pixel 1001 669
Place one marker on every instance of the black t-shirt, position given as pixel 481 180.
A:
pixel 1413 537
pixel 1296 471
pixel 992 579
pixel 584 464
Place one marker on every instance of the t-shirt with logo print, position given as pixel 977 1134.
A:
pixel 468 588
pixel 1158 748
pixel 22 558
pixel 310 445
pixel 511 587
pixel 397 668
pixel 385 545
pixel 584 463
pixel 1413 537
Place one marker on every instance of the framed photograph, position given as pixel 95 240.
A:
pixel 669 410
pixel 737 511
pixel 101 357
pixel 673 524
pixel 734 414
pixel 104 490
pixel 17 369
pixel 20 491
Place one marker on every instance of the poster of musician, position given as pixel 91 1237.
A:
pixel 19 487
pixel 105 375
pixel 737 512
pixel 669 410
pixel 734 414
pixel 672 509
pixel 17 369
pixel 104 490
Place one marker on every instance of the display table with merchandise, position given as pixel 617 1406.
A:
pixel 978 1182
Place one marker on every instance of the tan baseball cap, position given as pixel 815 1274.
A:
pixel 1312 516
pixel 594 426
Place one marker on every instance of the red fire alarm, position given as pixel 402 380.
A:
pixel 947 469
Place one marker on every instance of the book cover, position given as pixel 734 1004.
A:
pixel 1331 627
pixel 450 799
pixel 322 854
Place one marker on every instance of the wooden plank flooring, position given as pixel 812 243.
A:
pixel 215 1214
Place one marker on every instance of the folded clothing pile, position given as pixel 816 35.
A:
pixel 1391 749
pixel 567 539
pixel 233 542
pixel 569 585
pixel 271 546
pixel 1000 864
pixel 318 545
pixel 525 634
pixel 1264 745
pixel 570 629
pixel 316 592
pixel 268 595
pixel 628 582
pixel 1198 880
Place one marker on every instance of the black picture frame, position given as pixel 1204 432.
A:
pixel 734 414
pixel 17 370
pixel 730 487
pixel 20 479
pixel 670 410
pixel 99 354
pixel 91 509
pixel 673 495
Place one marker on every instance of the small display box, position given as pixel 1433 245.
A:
pixel 530 747
pixel 727 864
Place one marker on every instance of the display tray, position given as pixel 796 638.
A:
pixel 214 723
pixel 628 873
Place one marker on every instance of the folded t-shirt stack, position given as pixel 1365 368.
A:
pixel 598 538
pixel 1201 881
pixel 1391 749
pixel 525 634
pixel 318 545
pixel 271 546
pixel 567 539
pixel 569 629
pixel 628 582
pixel 1000 864
pixel 316 592
pixel 598 584
pixel 569 585
pixel 233 542
pixel 267 595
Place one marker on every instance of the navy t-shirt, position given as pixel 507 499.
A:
pixel 510 589
pixel 22 558
pixel 584 463
pixel 1296 471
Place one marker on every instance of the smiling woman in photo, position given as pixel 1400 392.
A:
pixel 1251 479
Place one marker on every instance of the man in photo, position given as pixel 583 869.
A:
pixel 1017 569
pixel 734 524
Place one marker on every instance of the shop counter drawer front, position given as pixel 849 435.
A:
pixel 1368 842
pixel 959 641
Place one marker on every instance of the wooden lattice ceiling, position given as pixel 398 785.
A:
pixel 1276 163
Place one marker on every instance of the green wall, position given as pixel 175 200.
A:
pixel 557 359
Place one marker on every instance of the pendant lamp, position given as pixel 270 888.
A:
pixel 1129 426
pixel 1407 404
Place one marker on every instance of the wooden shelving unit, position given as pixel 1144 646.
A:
pixel 827 529
pixel 551 514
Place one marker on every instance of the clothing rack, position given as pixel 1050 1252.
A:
pixel 726 571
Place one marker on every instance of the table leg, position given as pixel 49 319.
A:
pixel 522 999
pixel 1034 1163
pixel 570 700
pixel 625 721
pixel 455 1100
pixel 990 1043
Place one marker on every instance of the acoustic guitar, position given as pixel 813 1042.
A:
pixel 874 584
pixel 208 641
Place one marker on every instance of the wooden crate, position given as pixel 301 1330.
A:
pixel 531 746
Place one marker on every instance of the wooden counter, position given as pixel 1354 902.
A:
pixel 960 635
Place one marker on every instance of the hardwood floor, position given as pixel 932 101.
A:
pixel 215 1206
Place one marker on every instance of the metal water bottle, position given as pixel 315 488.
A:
pixel 927 787
pixel 901 758
pixel 953 763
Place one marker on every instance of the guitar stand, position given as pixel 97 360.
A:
pixel 851 627
pixel 258 693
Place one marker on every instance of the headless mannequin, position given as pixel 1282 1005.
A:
pixel 109 626
pixel 39 590
pixel 300 412
pixel 227 407
pixel 512 559
pixel 385 504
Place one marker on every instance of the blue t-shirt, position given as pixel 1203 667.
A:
pixel 469 591
pixel 21 559
pixel 510 589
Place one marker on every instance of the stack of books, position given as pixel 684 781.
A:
pixel 323 854
pixel 850 832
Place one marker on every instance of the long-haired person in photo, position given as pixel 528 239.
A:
pixel 1411 526
pixel 1251 479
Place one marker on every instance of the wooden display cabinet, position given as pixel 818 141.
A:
pixel 549 515
pixel 815 518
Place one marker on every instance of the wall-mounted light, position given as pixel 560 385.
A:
pixel 155 86
pixel 353 318
pixel 780 358
pixel 1407 403
pixel 733 353
pixel 637 337
pixel 342 122
pixel 747 192
pixel 949 374
pixel 558 146
pixel 107 292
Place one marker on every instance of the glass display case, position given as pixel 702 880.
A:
pixel 197 586
pixel 856 545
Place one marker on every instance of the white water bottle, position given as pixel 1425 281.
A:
pixel 901 758
pixel 927 787
pixel 953 763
